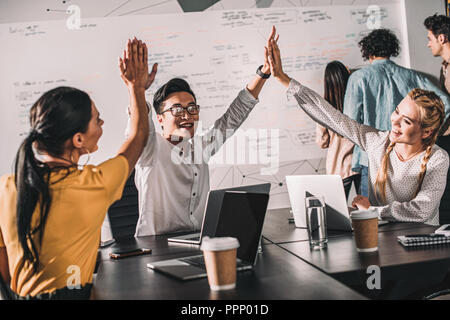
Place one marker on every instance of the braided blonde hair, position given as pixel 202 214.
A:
pixel 431 117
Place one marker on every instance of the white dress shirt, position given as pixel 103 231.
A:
pixel 173 180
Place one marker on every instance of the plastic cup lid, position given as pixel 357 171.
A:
pixel 363 214
pixel 219 243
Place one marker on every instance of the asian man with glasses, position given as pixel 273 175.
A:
pixel 172 174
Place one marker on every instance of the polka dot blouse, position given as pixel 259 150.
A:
pixel 403 177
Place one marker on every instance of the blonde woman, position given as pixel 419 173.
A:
pixel 407 171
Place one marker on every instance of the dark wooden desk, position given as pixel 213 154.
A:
pixel 277 275
pixel 287 269
pixel 341 260
pixel 277 229
pixel 159 245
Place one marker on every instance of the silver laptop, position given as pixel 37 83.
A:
pixel 211 214
pixel 241 216
pixel 212 209
pixel 331 188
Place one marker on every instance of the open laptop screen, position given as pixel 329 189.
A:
pixel 212 210
pixel 215 200
pixel 242 216
pixel 210 217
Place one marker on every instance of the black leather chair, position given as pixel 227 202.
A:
pixel 5 293
pixel 444 207
pixel 443 292
pixel 124 213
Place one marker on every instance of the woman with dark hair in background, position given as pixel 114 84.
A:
pixel 51 211
pixel 340 150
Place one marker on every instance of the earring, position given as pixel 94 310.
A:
pixel 88 158
pixel 71 159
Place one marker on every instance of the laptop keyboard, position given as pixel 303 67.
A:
pixel 194 238
pixel 198 261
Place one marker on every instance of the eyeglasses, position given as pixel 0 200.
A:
pixel 178 110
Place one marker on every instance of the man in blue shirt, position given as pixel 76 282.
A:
pixel 373 92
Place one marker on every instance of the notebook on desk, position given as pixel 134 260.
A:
pixel 328 186
pixel 212 210
pixel 241 216
pixel 417 241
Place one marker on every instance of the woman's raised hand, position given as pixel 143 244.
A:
pixel 134 72
pixel 134 66
pixel 272 36
pixel 273 56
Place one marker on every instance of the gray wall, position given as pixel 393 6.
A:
pixel 421 57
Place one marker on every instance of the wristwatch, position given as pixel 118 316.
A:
pixel 261 74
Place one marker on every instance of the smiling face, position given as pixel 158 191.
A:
pixel 183 126
pixel 406 125
pixel 434 44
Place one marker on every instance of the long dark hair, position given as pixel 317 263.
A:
pixel 55 117
pixel 335 83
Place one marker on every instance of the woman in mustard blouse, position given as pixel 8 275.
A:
pixel 51 211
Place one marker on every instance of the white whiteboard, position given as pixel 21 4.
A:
pixel 217 52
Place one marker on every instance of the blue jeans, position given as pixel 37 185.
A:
pixel 364 181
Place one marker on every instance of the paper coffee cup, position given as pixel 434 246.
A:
pixel 220 260
pixel 365 227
